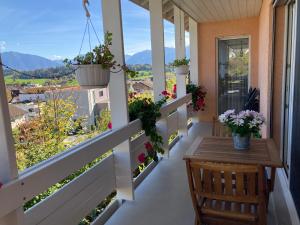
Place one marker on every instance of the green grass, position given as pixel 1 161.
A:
pixel 10 81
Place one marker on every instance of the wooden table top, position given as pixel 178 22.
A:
pixel 220 149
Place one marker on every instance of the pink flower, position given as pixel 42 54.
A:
pixel 165 93
pixel 109 125
pixel 142 157
pixel 174 88
pixel 148 146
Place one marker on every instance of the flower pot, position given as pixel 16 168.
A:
pixel 92 76
pixel 182 70
pixel 241 142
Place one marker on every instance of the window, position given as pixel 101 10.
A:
pixel 233 73
pixel 101 94
pixel 287 87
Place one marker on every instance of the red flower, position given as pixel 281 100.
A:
pixel 148 146
pixel 173 96
pixel 109 125
pixel 1 185
pixel 174 88
pixel 142 157
pixel 165 93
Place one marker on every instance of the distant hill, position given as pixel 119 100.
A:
pixel 145 57
pixel 27 62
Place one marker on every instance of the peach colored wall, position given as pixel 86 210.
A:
pixel 264 59
pixel 207 36
pixel 278 74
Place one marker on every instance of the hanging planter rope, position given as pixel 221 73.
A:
pixel 95 67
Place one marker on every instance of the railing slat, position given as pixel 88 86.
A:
pixel 39 212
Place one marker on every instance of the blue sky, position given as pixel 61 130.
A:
pixel 54 29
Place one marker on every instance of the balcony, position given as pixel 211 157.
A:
pixel 159 195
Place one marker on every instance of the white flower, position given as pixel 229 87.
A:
pixel 239 122
pixel 223 118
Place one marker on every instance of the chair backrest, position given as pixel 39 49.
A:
pixel 219 130
pixel 226 182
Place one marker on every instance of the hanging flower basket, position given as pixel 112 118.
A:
pixel 92 76
pixel 182 70
pixel 181 66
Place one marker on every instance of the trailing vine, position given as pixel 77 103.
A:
pixel 148 112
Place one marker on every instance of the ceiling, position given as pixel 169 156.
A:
pixel 209 10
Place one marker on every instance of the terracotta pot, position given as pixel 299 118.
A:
pixel 182 70
pixel 92 76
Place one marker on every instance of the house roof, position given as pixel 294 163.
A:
pixel 15 111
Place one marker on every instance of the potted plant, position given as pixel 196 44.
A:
pixel 181 66
pixel 242 125
pixel 198 96
pixel 93 68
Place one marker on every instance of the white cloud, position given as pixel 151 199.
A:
pixel 57 57
pixel 2 45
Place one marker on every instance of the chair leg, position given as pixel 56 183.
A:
pixel 196 221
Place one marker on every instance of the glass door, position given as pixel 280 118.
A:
pixel 233 73
pixel 287 88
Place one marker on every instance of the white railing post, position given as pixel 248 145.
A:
pixel 180 79
pixel 112 22
pixel 8 163
pixel 194 64
pixel 158 63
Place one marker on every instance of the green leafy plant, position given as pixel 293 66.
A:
pixel 198 96
pixel 180 62
pixel 148 112
pixel 102 55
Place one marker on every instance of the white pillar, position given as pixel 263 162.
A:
pixel 194 63
pixel 157 47
pixel 194 68
pixel 112 22
pixel 180 79
pixel 8 163
pixel 158 63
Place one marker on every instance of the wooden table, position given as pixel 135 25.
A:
pixel 220 149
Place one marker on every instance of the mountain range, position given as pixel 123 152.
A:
pixel 27 62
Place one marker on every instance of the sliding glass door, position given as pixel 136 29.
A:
pixel 233 73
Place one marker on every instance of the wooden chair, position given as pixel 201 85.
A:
pixel 219 130
pixel 227 194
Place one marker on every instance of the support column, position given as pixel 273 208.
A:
pixel 158 63
pixel 194 63
pixel 180 79
pixel 157 47
pixel 112 22
pixel 8 163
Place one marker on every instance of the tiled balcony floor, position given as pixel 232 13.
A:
pixel 163 198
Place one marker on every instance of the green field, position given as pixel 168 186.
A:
pixel 10 81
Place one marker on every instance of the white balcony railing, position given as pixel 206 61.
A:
pixel 79 197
